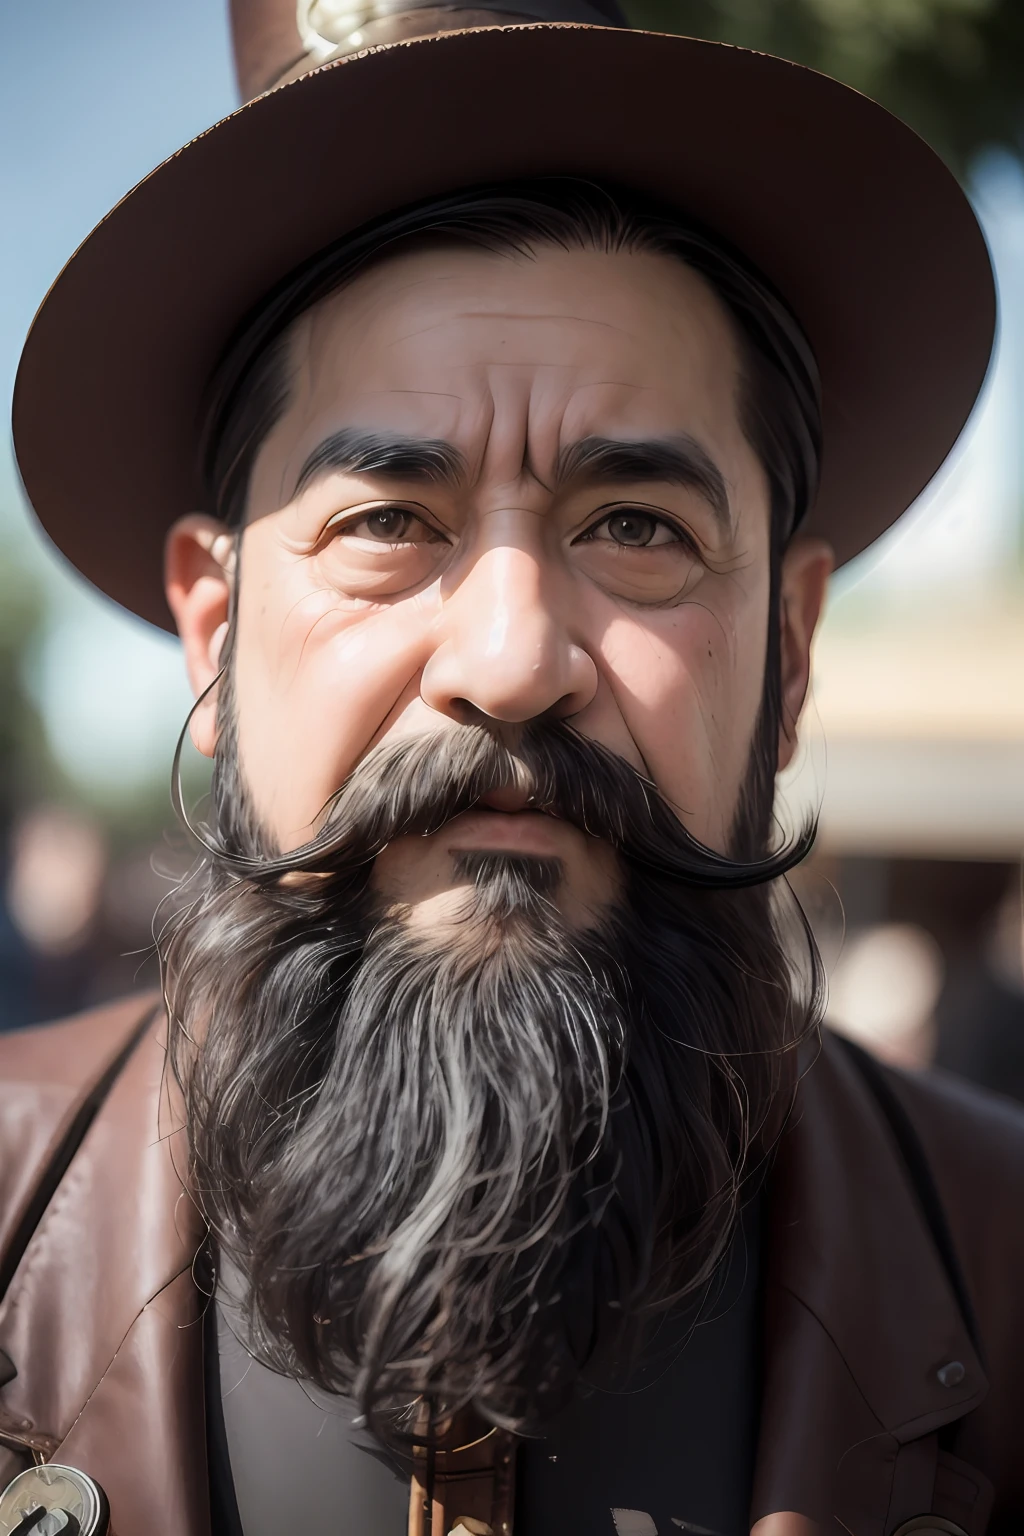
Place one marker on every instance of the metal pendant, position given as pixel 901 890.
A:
pixel 53 1501
pixel 465 1485
pixel 930 1525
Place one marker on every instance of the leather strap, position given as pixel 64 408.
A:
pixel 464 1481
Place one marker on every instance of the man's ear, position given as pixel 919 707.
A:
pixel 806 568
pixel 199 573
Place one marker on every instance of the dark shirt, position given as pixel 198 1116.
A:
pixel 672 1449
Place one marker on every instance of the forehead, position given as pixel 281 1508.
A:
pixel 452 342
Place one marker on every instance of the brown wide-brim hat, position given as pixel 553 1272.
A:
pixel 859 225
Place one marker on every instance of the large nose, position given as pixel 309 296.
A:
pixel 507 647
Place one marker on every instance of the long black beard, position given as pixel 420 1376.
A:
pixel 465 1165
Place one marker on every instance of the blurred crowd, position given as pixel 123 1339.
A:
pixel 77 916
pixel 931 966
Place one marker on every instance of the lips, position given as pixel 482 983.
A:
pixel 511 800
pixel 532 833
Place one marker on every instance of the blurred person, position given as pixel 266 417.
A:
pixel 53 891
pixel 529 380
pixel 54 888
pixel 884 990
pixel 939 979
pixel 979 1017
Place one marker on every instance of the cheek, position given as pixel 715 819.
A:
pixel 688 685
pixel 316 683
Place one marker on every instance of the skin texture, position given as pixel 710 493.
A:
pixel 380 603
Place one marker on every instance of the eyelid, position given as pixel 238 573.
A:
pixel 610 509
pixel 378 504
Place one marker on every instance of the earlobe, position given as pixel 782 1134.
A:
pixel 806 568
pixel 199 569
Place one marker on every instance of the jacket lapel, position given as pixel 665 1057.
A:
pixel 860 1321
pixel 103 1319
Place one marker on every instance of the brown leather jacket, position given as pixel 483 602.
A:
pixel 895 1232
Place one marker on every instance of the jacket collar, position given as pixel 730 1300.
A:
pixel 102 1318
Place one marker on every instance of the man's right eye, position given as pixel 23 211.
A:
pixel 390 523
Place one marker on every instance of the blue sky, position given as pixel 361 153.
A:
pixel 93 94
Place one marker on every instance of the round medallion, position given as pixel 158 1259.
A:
pixel 53 1501
pixel 929 1525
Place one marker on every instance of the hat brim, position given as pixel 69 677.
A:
pixel 855 220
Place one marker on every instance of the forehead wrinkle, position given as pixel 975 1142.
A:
pixel 613 384
pixel 505 443
pixel 437 394
pixel 506 318
pixel 558 315
pixel 546 413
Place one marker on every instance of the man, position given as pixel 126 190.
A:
pixel 501 400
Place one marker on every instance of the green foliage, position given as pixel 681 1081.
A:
pixel 25 763
pixel 953 69
pixel 29 771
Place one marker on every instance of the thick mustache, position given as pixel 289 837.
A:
pixel 417 785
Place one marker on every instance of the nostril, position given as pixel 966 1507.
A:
pixel 527 681
pixel 568 705
pixel 466 713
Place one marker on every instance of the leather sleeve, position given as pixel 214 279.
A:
pixel 46 1075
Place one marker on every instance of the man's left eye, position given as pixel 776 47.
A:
pixel 632 528
pixel 389 523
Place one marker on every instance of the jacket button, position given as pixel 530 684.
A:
pixel 952 1373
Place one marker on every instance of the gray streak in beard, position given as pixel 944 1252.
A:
pixel 466 1166
pixel 507 881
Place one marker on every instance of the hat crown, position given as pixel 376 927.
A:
pixel 275 41
pixel 332 29
pixel 328 27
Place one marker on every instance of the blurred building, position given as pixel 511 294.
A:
pixel 921 718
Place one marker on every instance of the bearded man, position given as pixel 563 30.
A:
pixel 500 400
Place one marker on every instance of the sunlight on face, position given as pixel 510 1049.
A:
pixel 506 488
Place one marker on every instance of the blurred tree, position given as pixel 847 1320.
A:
pixel 953 69
pixel 26 767
pixel 30 773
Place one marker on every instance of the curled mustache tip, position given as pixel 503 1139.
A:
pixel 418 785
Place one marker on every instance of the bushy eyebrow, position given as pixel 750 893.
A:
pixel 355 452
pixel 676 460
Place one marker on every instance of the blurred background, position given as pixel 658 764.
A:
pixel 915 729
